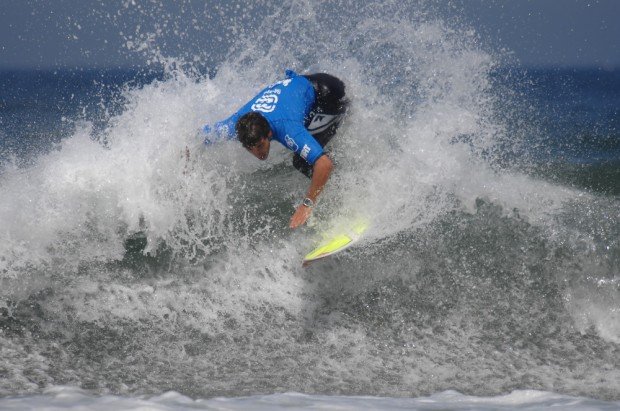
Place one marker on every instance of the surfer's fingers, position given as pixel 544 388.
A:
pixel 301 215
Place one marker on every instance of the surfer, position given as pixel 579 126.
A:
pixel 302 112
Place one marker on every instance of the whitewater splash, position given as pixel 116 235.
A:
pixel 127 267
pixel 59 398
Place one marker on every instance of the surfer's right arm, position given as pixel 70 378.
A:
pixel 322 169
pixel 222 130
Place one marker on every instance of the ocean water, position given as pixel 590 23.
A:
pixel 489 279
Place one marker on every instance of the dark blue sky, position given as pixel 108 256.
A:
pixel 551 32
pixel 70 33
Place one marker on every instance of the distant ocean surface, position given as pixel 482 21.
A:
pixel 574 112
pixel 132 277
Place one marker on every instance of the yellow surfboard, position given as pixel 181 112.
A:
pixel 336 243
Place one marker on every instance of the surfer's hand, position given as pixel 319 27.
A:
pixel 301 215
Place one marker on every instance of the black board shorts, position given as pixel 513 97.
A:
pixel 323 120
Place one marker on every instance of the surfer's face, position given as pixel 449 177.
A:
pixel 261 149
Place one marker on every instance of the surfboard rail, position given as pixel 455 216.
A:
pixel 337 243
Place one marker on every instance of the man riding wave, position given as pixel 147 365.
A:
pixel 302 112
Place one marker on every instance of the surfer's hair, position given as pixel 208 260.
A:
pixel 251 128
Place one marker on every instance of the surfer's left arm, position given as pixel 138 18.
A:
pixel 320 174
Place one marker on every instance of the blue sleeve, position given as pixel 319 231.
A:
pixel 222 130
pixel 301 142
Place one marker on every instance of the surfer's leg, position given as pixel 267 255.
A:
pixel 329 109
pixel 330 93
pixel 326 115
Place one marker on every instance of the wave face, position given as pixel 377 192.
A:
pixel 126 268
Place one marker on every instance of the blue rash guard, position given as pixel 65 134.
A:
pixel 285 105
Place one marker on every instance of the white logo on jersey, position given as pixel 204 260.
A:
pixel 290 143
pixel 304 152
pixel 267 102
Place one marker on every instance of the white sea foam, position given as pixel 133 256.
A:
pixel 65 398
